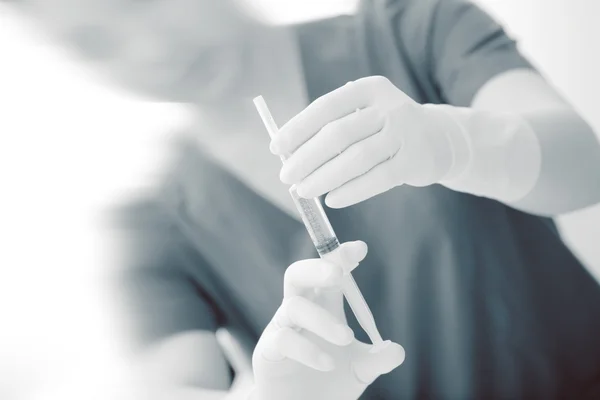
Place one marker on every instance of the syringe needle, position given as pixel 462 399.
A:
pixel 355 299
pixel 360 309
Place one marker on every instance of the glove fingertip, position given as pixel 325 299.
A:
pixel 351 253
pixel 339 198
pixel 394 357
pixel 358 251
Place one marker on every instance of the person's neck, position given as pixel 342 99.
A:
pixel 275 62
pixel 232 133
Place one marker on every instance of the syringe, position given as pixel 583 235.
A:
pixel 325 240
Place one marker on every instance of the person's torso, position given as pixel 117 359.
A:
pixel 471 288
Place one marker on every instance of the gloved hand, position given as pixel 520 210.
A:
pixel 308 351
pixel 368 137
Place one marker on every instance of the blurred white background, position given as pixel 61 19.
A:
pixel 68 144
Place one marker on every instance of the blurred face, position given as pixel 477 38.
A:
pixel 177 50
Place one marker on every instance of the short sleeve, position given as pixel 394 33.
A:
pixel 156 298
pixel 467 47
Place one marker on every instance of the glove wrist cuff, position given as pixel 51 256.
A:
pixel 495 155
pixel 458 139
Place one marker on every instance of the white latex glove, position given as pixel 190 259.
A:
pixel 368 137
pixel 361 140
pixel 308 351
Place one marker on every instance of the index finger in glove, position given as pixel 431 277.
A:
pixel 327 108
pixel 376 360
pixel 333 139
pixel 317 273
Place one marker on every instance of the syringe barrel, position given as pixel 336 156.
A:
pixel 317 224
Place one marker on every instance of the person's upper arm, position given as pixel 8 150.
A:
pixel 169 323
pixel 154 290
pixel 467 48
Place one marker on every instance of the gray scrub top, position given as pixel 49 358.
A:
pixel 487 301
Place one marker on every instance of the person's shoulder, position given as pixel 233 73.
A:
pixel 421 4
pixel 412 12
pixel 420 11
pixel 410 7
pixel 434 11
pixel 412 18
pixel 425 21
pixel 179 176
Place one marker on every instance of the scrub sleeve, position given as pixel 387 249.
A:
pixel 157 296
pixel 452 47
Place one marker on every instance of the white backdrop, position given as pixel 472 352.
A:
pixel 61 159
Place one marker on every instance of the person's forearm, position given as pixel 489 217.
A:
pixel 544 162
pixel 569 177
pixel 205 394
pixel 197 394
pixel 569 171
pixel 187 363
